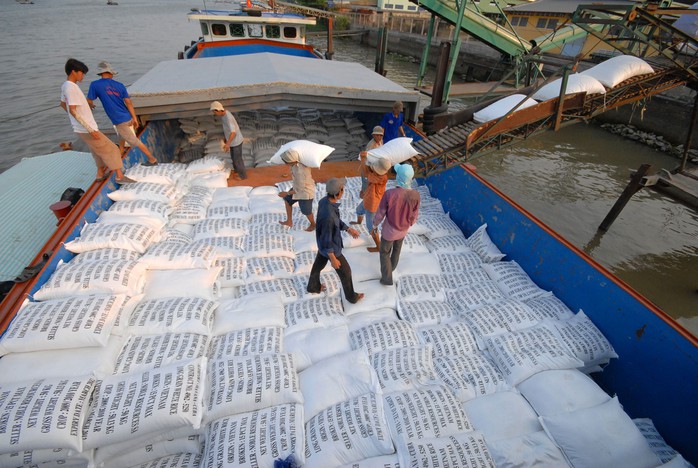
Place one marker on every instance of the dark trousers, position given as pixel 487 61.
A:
pixel 238 163
pixel 389 256
pixel 344 272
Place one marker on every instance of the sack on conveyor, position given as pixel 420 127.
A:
pixel 618 69
pixel 310 154
pixel 502 107
pixel 576 83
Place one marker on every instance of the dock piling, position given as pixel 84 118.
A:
pixel 632 188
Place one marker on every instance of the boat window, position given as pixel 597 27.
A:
pixel 272 31
pixel 204 29
pixel 552 24
pixel 290 32
pixel 254 30
pixel 219 29
pixel 541 23
pixel 237 30
pixel 388 5
pixel 411 8
pixel 399 7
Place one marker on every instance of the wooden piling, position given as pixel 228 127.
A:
pixel 633 187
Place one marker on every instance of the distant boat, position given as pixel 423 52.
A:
pixel 110 2
pixel 25 2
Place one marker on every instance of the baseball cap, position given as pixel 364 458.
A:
pixel 334 185
pixel 216 105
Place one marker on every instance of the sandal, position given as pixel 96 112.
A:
pixel 124 180
pixel 150 164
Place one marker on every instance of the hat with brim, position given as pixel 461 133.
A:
pixel 380 166
pixel 105 67
pixel 334 186
pixel 217 106
pixel 377 130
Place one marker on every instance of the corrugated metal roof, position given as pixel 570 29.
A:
pixel 26 192
pixel 561 6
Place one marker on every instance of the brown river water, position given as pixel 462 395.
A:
pixel 569 179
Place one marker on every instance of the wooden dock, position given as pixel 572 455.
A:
pixel 681 186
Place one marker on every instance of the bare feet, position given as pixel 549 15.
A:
pixel 323 288
pixel 359 296
pixel 286 223
pixel 310 228
pixel 373 249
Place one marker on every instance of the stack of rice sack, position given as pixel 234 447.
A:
pixel 190 340
pixel 265 131
pixel 596 80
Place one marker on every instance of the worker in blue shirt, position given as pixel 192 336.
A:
pixel 392 123
pixel 328 233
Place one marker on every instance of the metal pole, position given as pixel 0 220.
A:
pixel 425 53
pixel 561 99
pixel 689 137
pixel 455 50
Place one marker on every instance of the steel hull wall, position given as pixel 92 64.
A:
pixel 656 375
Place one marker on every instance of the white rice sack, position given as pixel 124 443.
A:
pixel 226 211
pixel 426 264
pixel 384 314
pixel 131 405
pixel 314 345
pixel 363 430
pixel 469 376
pixel 226 246
pixel 384 461
pixel 440 226
pixel 336 379
pixel 249 341
pixel 304 241
pixel 456 262
pixel 403 369
pixel 188 211
pixel 414 243
pixel 314 312
pixel 576 83
pixel 382 336
pixel 56 456
pixel 657 443
pixel 271 245
pixel 500 317
pixel 205 165
pixel 523 353
pixel 364 239
pixel 377 296
pixel 548 306
pixel 273 227
pixel 85 279
pixel 231 194
pixel 75 322
pixel 142 208
pixel 155 450
pixel 617 69
pixel 267 268
pixel 480 243
pixel 425 313
pixel 449 243
pixel 120 236
pixel 449 339
pixel 561 391
pixel 583 339
pixel 250 383
pixel 174 236
pixel 310 154
pixel 534 449
pixel 234 227
pixel 256 439
pixel 474 296
pixel 211 180
pixel 304 263
pixel 166 174
pixel 465 278
pixel 513 280
pixel 174 314
pixel 175 257
pixel 233 271
pixel 96 361
pixel 283 287
pixel 44 414
pixel 418 287
pixel 264 310
pixel 105 255
pixel 502 107
pixel 603 435
pixel 502 415
pixel 153 222
pixel 424 413
pixel 267 204
pixel 396 151
pixel 146 191
pixel 195 282
pixel 467 449
pixel 263 191
pixel 365 266
pixel 143 353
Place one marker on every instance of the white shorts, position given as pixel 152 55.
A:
pixel 126 133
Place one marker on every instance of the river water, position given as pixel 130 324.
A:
pixel 569 179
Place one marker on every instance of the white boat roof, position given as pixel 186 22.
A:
pixel 27 219
pixel 241 17
pixel 185 88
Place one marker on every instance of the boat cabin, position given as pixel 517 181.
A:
pixel 249 30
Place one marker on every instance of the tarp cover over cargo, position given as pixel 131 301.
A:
pixel 185 88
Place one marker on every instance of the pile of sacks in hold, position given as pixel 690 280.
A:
pixel 595 80
pixel 265 131
pixel 181 335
